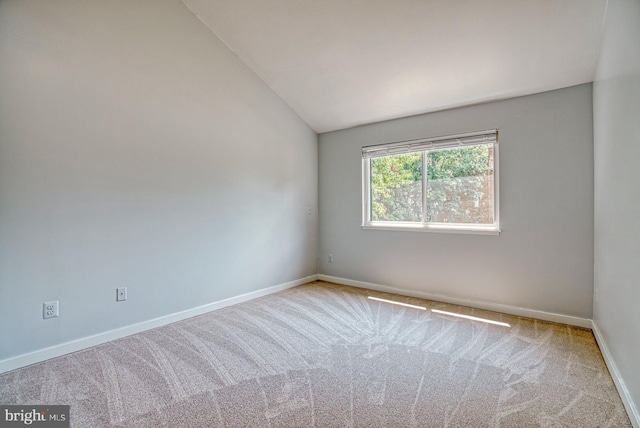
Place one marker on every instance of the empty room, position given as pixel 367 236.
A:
pixel 319 213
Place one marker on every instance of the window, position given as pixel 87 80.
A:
pixel 435 184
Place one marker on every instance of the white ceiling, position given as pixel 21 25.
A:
pixel 342 63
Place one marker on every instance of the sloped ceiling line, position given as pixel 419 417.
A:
pixel 340 64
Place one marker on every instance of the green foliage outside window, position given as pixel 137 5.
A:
pixel 396 188
pixel 458 183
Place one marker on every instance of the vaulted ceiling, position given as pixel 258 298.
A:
pixel 342 63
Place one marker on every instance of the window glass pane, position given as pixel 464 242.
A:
pixel 396 187
pixel 460 185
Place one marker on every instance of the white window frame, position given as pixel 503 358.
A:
pixel 424 145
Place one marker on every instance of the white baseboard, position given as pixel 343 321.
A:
pixel 496 307
pixel 87 342
pixel 629 405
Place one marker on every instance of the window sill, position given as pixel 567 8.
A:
pixel 437 228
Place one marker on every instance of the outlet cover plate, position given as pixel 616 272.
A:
pixel 50 309
pixel 121 294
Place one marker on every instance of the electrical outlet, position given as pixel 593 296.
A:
pixel 330 258
pixel 121 294
pixel 308 210
pixel 50 310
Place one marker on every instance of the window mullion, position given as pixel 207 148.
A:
pixel 424 187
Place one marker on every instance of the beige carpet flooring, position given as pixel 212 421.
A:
pixel 325 355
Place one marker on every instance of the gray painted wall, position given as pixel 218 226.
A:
pixel 543 259
pixel 137 150
pixel 617 190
